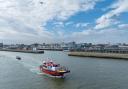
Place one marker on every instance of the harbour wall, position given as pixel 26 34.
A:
pixel 52 49
pixel 99 55
pixel 23 51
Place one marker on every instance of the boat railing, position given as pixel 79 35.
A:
pixel 63 68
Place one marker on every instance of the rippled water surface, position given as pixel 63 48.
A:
pixel 86 73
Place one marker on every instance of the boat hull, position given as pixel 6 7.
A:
pixel 50 72
pixel 53 73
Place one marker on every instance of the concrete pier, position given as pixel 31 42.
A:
pixel 52 49
pixel 23 51
pixel 99 55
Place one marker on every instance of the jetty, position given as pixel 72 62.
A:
pixel 52 49
pixel 23 51
pixel 99 55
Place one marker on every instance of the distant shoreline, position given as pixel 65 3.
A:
pixel 99 55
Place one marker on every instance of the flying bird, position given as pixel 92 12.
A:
pixel 41 2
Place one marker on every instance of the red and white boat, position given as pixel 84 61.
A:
pixel 53 69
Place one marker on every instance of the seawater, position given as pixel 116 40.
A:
pixel 86 73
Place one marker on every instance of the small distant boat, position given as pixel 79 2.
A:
pixel 53 69
pixel 17 57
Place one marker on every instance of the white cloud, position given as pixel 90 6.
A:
pixel 105 22
pixel 81 25
pixel 112 35
pixel 123 26
pixel 107 19
pixel 69 23
pixel 30 16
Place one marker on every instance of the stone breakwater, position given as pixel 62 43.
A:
pixel 23 51
pixel 99 55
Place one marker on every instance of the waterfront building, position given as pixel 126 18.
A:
pixel 1 45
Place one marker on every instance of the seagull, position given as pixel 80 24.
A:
pixel 41 2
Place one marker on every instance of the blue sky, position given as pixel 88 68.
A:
pixel 96 21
